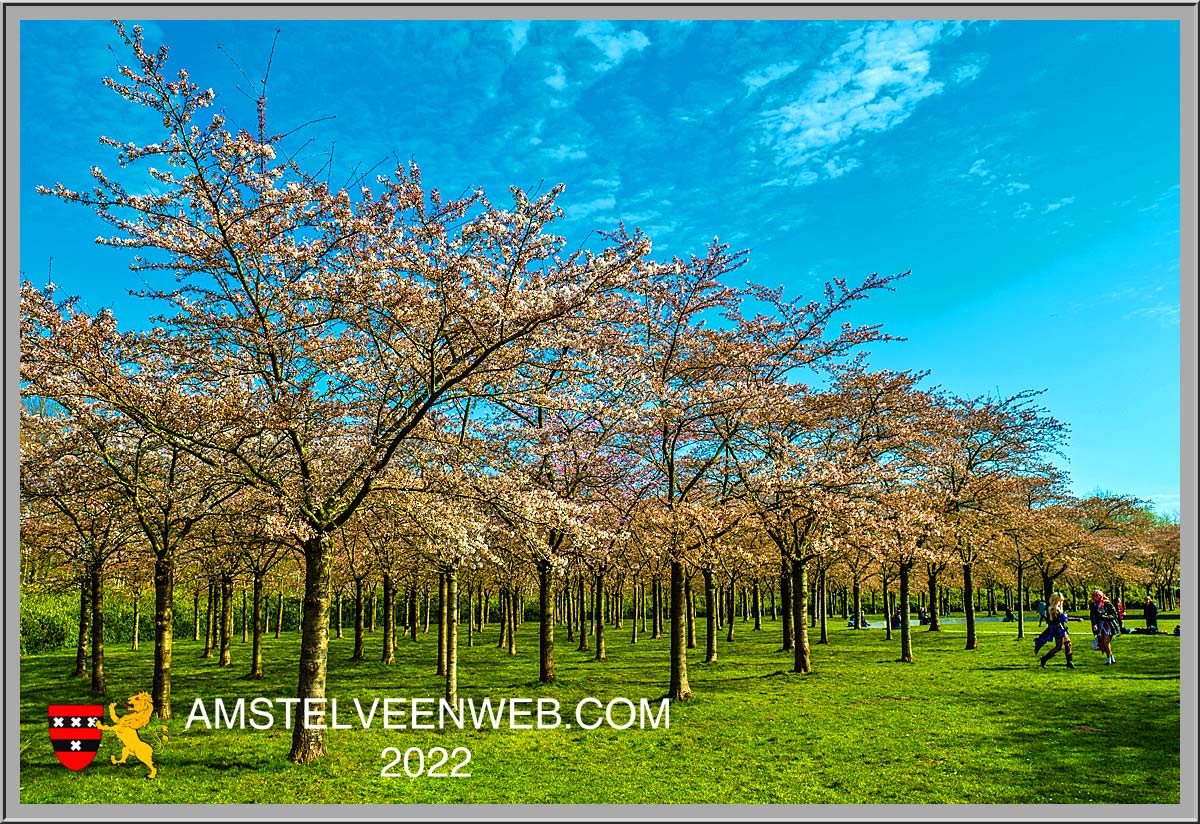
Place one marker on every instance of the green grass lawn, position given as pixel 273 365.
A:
pixel 986 726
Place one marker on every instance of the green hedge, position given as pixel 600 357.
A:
pixel 48 622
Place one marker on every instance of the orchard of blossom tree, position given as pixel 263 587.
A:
pixel 376 423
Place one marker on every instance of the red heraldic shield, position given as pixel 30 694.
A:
pixel 74 733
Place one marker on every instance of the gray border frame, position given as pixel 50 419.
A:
pixel 1185 13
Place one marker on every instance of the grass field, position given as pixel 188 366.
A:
pixel 987 726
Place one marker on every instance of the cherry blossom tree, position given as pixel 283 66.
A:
pixel 314 328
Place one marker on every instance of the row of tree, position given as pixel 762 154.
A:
pixel 388 385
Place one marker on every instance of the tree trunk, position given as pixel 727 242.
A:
pixel 196 614
pixel 413 607
pixel 388 654
pixel 642 605
pixel 279 615
pixel 906 654
pixel 137 620
pixel 502 606
pixel 339 615
pixel 226 621
pixel 546 674
pixel 470 614
pixel 756 604
pixel 308 743
pixel 730 611
pixel 935 604
pixel 245 626
pixel 96 582
pixel 856 613
pixel 710 618
pixel 443 618
pixel 256 658
pixel 85 623
pixel 691 611
pixel 823 609
pixel 599 615
pixel 887 608
pixel 450 607
pixel 799 586
pixel 969 607
pixel 680 689
pixel 359 642
pixel 637 606
pixel 785 599
pixel 513 604
pixel 208 622
pixel 656 606
pixel 1020 607
pixel 583 624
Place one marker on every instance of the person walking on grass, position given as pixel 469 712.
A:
pixel 1105 624
pixel 1040 608
pixel 1056 630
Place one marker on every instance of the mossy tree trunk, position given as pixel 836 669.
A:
pixel 680 689
pixel 786 601
pixel 969 606
pixel 802 662
pixel 308 743
pixel 906 652
pixel 546 673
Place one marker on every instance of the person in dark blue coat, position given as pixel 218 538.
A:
pixel 1056 630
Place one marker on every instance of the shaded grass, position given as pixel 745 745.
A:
pixel 956 726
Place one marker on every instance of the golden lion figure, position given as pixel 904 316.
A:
pixel 126 729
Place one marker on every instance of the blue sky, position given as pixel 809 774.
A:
pixel 1027 172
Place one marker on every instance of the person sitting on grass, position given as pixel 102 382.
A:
pixel 1056 629
pixel 1150 613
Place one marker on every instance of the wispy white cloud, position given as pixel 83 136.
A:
pixel 1054 206
pixel 600 204
pixel 981 173
pixel 968 72
pixel 558 80
pixel 1165 313
pixel 518 34
pixel 979 169
pixel 769 74
pixel 870 84
pixel 564 152
pixel 613 44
